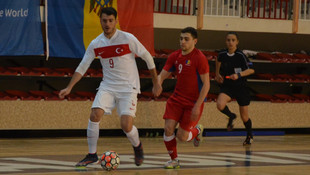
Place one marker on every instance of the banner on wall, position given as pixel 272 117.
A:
pixel 20 26
pixel 73 24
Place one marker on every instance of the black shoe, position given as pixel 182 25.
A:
pixel 230 125
pixel 90 158
pixel 248 140
pixel 139 156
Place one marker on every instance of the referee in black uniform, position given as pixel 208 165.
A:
pixel 232 67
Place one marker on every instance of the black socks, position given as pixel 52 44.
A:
pixel 248 127
pixel 227 112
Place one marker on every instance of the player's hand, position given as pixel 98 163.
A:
pixel 233 76
pixel 64 92
pixel 219 79
pixel 195 113
pixel 157 89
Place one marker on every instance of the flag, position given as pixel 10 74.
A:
pixel 136 17
pixel 73 24
pixel 65 28
pixel 20 26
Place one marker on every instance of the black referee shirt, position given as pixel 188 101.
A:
pixel 233 64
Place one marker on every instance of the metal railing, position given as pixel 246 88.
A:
pixel 262 9
pixel 269 9
pixel 184 7
pixel 223 8
pixel 304 9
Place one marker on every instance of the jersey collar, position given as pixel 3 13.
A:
pixel 114 36
pixel 232 54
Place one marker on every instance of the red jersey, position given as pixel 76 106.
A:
pixel 188 69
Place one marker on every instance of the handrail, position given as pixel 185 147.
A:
pixel 261 9
pixel 181 7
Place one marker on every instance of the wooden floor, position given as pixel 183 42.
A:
pixel 269 155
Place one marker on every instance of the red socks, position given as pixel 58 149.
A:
pixel 192 134
pixel 172 148
pixel 171 142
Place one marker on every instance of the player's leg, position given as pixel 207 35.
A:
pixel 126 108
pixel 133 136
pixel 93 129
pixel 171 143
pixel 92 137
pixel 184 135
pixel 197 132
pixel 172 115
pixel 190 130
pixel 243 99
pixel 130 130
pixel 244 113
pixel 103 103
pixel 221 104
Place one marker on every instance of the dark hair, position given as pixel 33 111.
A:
pixel 190 30
pixel 233 33
pixel 109 11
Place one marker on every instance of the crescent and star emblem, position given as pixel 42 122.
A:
pixel 118 50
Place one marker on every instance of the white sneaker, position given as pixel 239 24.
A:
pixel 172 164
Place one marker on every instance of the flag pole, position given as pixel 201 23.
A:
pixel 295 16
pixel 46 31
pixel 200 14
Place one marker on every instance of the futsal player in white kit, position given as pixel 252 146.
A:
pixel 120 84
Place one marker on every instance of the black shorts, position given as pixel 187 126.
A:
pixel 240 93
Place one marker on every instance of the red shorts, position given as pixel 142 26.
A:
pixel 181 113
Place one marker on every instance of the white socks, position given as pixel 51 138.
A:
pixel 133 136
pixel 190 136
pixel 92 136
pixel 169 138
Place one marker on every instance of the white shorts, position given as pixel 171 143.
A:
pixel 125 102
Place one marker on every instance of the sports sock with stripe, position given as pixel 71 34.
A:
pixel 171 145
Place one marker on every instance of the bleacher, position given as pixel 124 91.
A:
pixel 292 74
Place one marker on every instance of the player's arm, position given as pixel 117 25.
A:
pixel 247 72
pixel 247 69
pixel 163 75
pixel 167 70
pixel 244 73
pixel 202 95
pixel 151 66
pixel 140 50
pixel 66 91
pixel 156 86
pixel 80 71
pixel 218 76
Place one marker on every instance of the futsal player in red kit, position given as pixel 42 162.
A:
pixel 185 105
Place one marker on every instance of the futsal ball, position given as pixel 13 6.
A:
pixel 109 160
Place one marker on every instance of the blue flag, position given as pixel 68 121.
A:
pixel 20 27
pixel 65 28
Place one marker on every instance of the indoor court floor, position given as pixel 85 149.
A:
pixel 268 155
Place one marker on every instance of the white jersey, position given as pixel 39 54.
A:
pixel 117 57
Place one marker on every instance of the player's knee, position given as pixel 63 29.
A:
pixel 126 128
pixel 96 115
pixel 220 106
pixel 182 137
pixel 169 131
pixel 126 123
